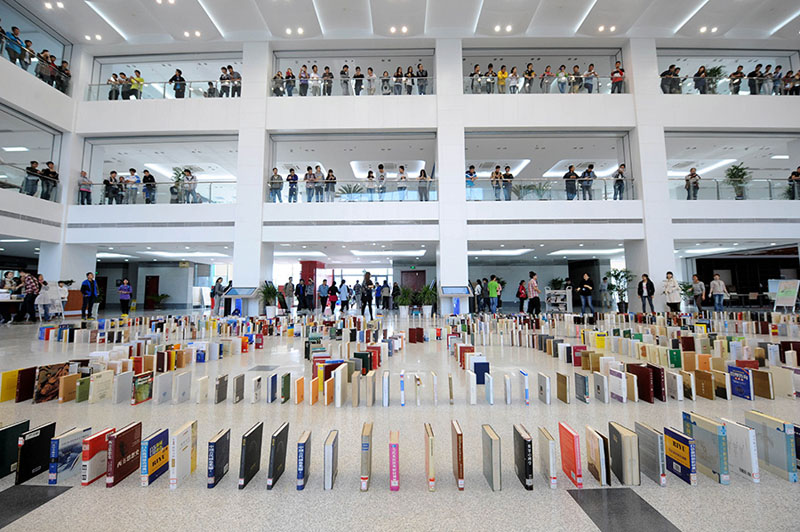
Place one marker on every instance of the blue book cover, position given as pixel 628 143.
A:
pixel 154 456
pixel 582 387
pixel 65 454
pixel 303 460
pixel 481 369
pixel 712 446
pixel 681 453
pixel 273 388
pixel 527 388
pixel 741 382
pixel 201 355
pixel 218 454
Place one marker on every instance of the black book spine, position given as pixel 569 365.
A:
pixel 243 464
pixel 273 448
pixel 529 464
pixel 212 480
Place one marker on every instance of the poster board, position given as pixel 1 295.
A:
pixel 786 295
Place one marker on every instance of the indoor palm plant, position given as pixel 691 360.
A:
pixel 428 298
pixel 268 295
pixel 738 177
pixel 350 192
pixel 713 75
pixel 618 281
pixel 404 300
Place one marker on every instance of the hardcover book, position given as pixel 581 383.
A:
pixel 689 387
pixel 674 385
pixel 570 454
pixel 142 387
pixel 712 445
pixel 124 449
pixel 250 457
pixel 65 454
pixel 742 449
pixel 644 382
pixel 277 454
pixel 472 388
pixel 82 389
pixel 26 378
pixel 600 387
pixel 659 382
pixel 272 388
pixel 101 386
pixel 547 457
pixel 430 470
pixel 582 387
pixel 492 469
pixel 47 380
pixel 303 459
pixel 313 391
pixel 202 390
pixel 366 455
pixel 652 461
pixel 154 456
pixel 544 388
pixel 67 385
pixel 219 448
pixel 221 389
pixel 123 387
pixel 526 394
pixel 299 390
pixel 762 384
pixel 162 390
pixel 563 389
pixel 624 451
pixel 681 455
pixel 617 385
pixel 33 452
pixel 394 460
pixel 457 439
pixel 596 456
pixel 94 456
pixel 183 454
pixel 775 443
pixel 9 440
pixel 286 387
pixel 722 384
pixel 488 386
pixel 331 459
pixel 8 385
pixel 523 456
pixel 238 388
pixel 704 381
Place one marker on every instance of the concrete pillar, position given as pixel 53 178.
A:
pixel 62 262
pixel 451 259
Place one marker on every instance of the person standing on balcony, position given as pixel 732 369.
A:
pixel 49 179
pixel 178 84
pixel 545 81
pixel 314 81
pixel 26 56
pixel 292 179
pixel 277 83
pixel 303 78
pixel 32 177
pixel 699 79
pixel 14 45
pixel 402 182
pixel 422 80
pixel 113 81
pixel 327 81
pixel 133 187
pixel 575 80
pixel 85 188
pixel 497 182
pixel 471 176
pixel 386 83
pixel 767 82
pixel 794 184
pixel 490 79
pixel 530 75
pixel 358 81
pixel 672 293
pixel 190 186
pixel 111 188
pixel 290 81
pixel 224 83
pixel 571 182
pixel 646 290
pixel 754 79
pixel 319 184
pixel 309 179
pixel 372 82
pixel 275 186
pixel 149 183
pixel 424 184
pixel 718 293
pixel 587 180
pixel 381 182
pixel 619 182
pixel 370 186
pixel 590 79
pixel 692 184
pixel 137 84
pixel 398 81
pixel 666 79
pixel 735 78
pixel 617 78
pixel 408 80
pixel 502 76
pixel 344 80
pixel 236 82
pixel 475 80
pixel 508 179
pixel 330 186
pixel 513 81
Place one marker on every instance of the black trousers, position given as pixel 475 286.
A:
pixel 364 302
pixel 521 304
pixel 310 301
pixel 125 306
pixel 534 306
pixel 28 308
pixel 345 302
pixel 674 307
pixel 86 307
pixel 386 303
pixel 323 302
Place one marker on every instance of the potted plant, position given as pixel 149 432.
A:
pixel 556 283
pixel 350 192
pixel 687 292
pixel 158 300
pixel 713 75
pixel 404 300
pixel 738 177
pixel 428 299
pixel 618 281
pixel 268 295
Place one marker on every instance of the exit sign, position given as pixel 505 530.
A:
pixel 413 267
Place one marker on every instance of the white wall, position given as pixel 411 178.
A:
pixel 173 280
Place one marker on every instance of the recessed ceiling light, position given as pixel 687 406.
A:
pixel 422 246
pixel 299 31
pixel 601 28
pixel 158 2
pixel 565 252
pixel 48 5
pixel 404 29
pixel 172 2
pixel 149 247
pixel 111 248
pixel 36 249
pixel 155 260
pixel 226 247
pixel 580 245
pixel 612 28
pixel 186 247
pixel 706 250
pixel 196 33
pixel 9 240
pixel 714 29
pixel 499 252
pixel 779 157
pixel 771 244
pixel 541 245
pixel 60 5
pixel 735 243
pixel 703 29
pixel 185 33
pixel 508 28
pixel 2 249
pixel 98 37
pixel 392 30
pixel 126 260
pixel 304 247
pixel 88 37
pixel 502 245
pixel 620 244
pixel 497 30
pixel 15 148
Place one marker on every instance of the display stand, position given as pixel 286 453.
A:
pixel 245 299
pixel 558 300
pixel 454 300
pixel 786 295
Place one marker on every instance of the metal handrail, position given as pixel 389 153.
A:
pixel 162 90
pixel 338 86
pixel 543 84
pixel 768 188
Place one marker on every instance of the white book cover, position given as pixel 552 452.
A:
pixel 101 386
pixel 605 364
pixel 600 383
pixel 434 388
pixel 783 382
pixel 472 387
pixel 547 457
pixel 544 388
pixel 402 387
pixel 202 389
pixel 386 392
pixel 123 387
pixel 417 384
pixel 183 387
pixel 526 389
pixel 489 388
pixel 507 382
pixel 675 385
pixel 355 389
pixel 331 459
pixel 162 388
pixel 182 453
pixel 371 387
pixel 617 385
pixel 742 450
pixel 270 385
pixel 255 390
pixel 338 382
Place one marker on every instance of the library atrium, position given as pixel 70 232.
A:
pixel 468 254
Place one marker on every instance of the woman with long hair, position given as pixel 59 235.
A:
pixel 366 294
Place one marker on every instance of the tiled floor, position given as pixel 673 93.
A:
pixel 742 505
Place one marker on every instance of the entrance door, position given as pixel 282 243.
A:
pixel 413 279
pixel 102 284
pixel 150 289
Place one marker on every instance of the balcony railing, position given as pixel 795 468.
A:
pixel 718 189
pixel 16 179
pixel 353 190
pixel 161 90
pixel 378 86
pixel 543 189
pixel 483 84
pixel 34 63
pixel 162 192
pixel 726 85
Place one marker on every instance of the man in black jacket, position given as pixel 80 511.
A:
pixel 645 290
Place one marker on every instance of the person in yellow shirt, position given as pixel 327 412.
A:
pixel 501 80
pixel 137 82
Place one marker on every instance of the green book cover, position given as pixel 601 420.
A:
pixel 637 336
pixel 674 358
pixel 615 332
pixel 82 390
pixel 286 379
pixel 626 333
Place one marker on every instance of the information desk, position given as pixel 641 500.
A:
pixel 244 299
pixel 454 299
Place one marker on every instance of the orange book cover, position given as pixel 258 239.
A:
pixel 328 391
pixel 299 390
pixel 570 444
pixel 703 362
pixel 150 363
pixel 313 391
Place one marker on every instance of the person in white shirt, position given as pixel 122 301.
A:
pixel 315 81
pixel 478 289
pixel 372 82
pixel 133 181
pixel 672 291
pixel 718 292
pixel 605 295
pixel 534 302
pixel 381 182
pixel 590 79
pixel 189 187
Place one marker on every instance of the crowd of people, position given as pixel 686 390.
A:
pixel 21 52
pixel 38 295
pixel 759 82
pixel 671 289
pixel 130 188
pixel 315 83
pixel 47 177
pixel 505 81
pixel 125 87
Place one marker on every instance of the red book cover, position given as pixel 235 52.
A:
pixel 161 361
pixel 94 456
pixel 644 378
pixel 259 341
pixel 376 355
pixel 570 454
pixel 752 364
pixel 123 453
pixel 687 343
pixel 576 355
pixel 659 382
pixel 138 365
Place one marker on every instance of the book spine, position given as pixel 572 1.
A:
pixel 791 466
pixel 430 471
pixel 724 471
pixel 301 466
pixel 529 464
pixel 173 462
pixel 271 471
pixel 85 457
pixel 394 467
pixel 143 455
pixel 212 448
pixel 553 477
pixel 692 463
pixel 52 476
pixel 242 463
pixel 755 474
pixel 110 469
pixel 460 458
pixel 365 465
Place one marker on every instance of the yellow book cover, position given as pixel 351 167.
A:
pixel 299 390
pixel 8 385
pixel 313 391
pixel 194 445
pixel 633 387
pixel 703 362
pixel 67 387
pixel 172 356
pixel 149 363
pixel 320 376
pixel 329 391
pixel 689 360
pixel 600 340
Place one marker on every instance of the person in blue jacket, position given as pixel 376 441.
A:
pixel 378 289
pixel 89 292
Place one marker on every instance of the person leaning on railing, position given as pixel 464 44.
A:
pixel 85 188
pixel 149 183
pixel 49 179
pixel 32 176
pixel 692 184
pixel 619 182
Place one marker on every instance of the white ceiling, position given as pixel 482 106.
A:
pixel 154 22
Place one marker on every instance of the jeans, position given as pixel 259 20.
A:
pixel 571 190
pixel 691 192
pixel 507 191
pixel 289 89
pixel 330 192
pixel 586 300
pixel 513 89
pixel 27 309
pixel 562 87
pixel 381 192
pixel 47 188
pixel 616 87
pixel 370 194
pixel 133 193
pixel 292 194
pixel 586 190
pixel 236 90
pixel 645 300
pixel 398 90
pixel 719 300
pixel 423 192
pixel 401 192
pixel 86 197
pixel 497 189
pixel 180 93
pixel 45 312
pixel 309 194
pixel 470 192
pixel 149 195
pixel 318 190
pixel 619 189
pixel 86 307
pixel 367 302
pixel 421 87
pixel 275 195
pixel 326 88
pixel 191 193
pixel 315 90
pixel 323 302
pixel 31 185
pixel 493 304
pixel 589 87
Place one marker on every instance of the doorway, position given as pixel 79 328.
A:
pixel 413 279
pixel 150 291
pixel 102 284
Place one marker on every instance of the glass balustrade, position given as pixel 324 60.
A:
pixel 725 85
pixel 15 179
pixel 162 192
pixel 38 64
pixel 378 86
pixel 525 189
pixel 721 189
pixel 358 190
pixel 482 84
pixel 161 90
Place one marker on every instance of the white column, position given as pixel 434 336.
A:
pixel 62 262
pixel 451 259
pixel 653 255
pixel 252 260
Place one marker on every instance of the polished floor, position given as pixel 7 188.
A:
pixel 772 504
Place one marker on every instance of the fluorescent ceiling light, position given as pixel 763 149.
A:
pixel 586 251
pixel 299 254
pixel 785 22
pixel 180 255
pixel 384 253
pixel 106 255
pixel 517 166
pixel 211 18
pixel 691 15
pixel 585 16
pixel 10 240
pixel 602 167
pixel 697 251
pixel 498 252
pixel 705 170
pixel 108 20
pixel 779 157
pixel 15 148
pixel 160 169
